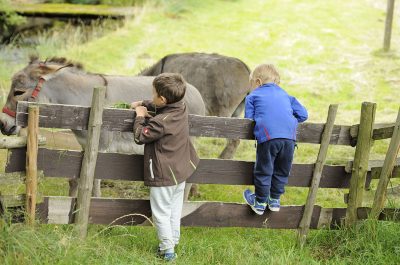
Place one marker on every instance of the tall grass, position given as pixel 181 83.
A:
pixel 369 242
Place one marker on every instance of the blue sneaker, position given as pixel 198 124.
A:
pixel 170 256
pixel 274 205
pixel 250 199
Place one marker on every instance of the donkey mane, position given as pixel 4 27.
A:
pixel 56 60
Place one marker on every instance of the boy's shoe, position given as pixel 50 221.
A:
pixel 170 256
pixel 160 253
pixel 166 256
pixel 250 199
pixel 274 205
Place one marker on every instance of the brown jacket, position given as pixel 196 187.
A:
pixel 169 156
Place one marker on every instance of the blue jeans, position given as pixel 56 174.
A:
pixel 271 171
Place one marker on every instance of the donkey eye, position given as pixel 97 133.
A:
pixel 18 93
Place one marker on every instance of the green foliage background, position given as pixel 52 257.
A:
pixel 326 51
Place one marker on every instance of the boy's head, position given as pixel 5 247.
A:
pixel 168 88
pixel 263 74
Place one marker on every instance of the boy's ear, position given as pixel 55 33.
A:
pixel 164 99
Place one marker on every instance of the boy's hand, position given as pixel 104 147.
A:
pixel 136 104
pixel 142 111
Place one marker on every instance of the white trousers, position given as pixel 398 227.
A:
pixel 166 207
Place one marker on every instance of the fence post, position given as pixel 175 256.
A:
pixel 388 25
pixel 360 164
pixel 31 163
pixel 89 162
pixel 304 226
pixel 387 168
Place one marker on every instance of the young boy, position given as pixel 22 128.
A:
pixel 169 156
pixel 276 115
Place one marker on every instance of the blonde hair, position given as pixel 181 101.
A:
pixel 267 73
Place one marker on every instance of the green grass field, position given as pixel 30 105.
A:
pixel 327 52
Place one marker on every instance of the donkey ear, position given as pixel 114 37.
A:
pixel 33 59
pixel 42 70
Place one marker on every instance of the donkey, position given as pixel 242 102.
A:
pixel 223 83
pixel 60 81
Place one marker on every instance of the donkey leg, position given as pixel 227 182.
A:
pixel 73 187
pixel 232 144
pixel 186 194
pixel 230 149
pixel 191 189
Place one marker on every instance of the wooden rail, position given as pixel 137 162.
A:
pixel 63 163
pixel 211 214
pixel 76 118
pixel 67 164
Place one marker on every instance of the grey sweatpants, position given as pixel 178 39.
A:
pixel 166 206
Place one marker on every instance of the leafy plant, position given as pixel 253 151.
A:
pixel 9 19
pixel 121 105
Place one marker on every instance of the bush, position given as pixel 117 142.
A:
pixel 9 20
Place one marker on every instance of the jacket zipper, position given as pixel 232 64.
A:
pixel 151 168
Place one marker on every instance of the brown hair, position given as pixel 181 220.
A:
pixel 267 73
pixel 171 86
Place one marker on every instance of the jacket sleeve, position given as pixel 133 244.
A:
pixel 299 111
pixel 147 132
pixel 149 105
pixel 249 108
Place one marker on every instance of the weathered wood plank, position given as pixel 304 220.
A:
pixel 376 172
pixel 319 165
pixel 75 117
pixel 31 164
pixel 62 163
pixel 371 164
pixel 60 210
pixel 89 161
pixel 7 142
pixel 387 168
pixel 381 131
pixel 211 214
pixel 361 157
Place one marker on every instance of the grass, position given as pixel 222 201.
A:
pixel 327 53
pixel 367 243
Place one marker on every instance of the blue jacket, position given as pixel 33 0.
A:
pixel 275 112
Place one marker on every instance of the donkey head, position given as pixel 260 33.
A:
pixel 23 86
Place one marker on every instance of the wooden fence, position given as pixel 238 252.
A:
pixel 67 164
